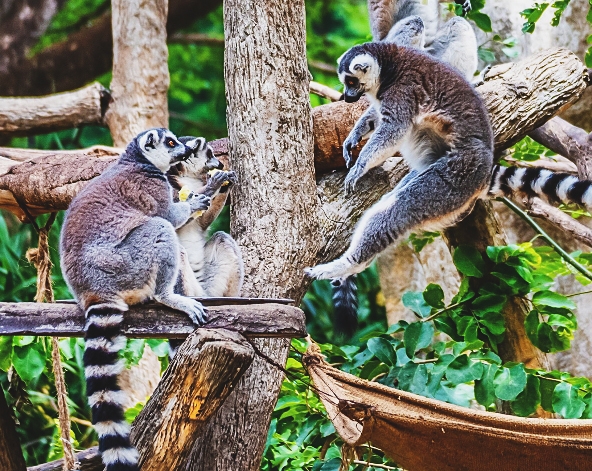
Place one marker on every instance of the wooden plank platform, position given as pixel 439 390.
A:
pixel 65 319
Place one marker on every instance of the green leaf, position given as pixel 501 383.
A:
pixel 509 382
pixel 547 388
pixel 494 321
pixel 463 370
pixel 484 388
pixel 481 20
pixel 528 400
pixel 383 350
pixel 567 402
pixel 549 298
pixel 334 464
pixel 469 261
pixel 29 361
pixel 415 301
pixel 5 353
pixel 434 296
pixel 417 336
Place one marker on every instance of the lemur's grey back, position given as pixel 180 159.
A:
pixel 386 13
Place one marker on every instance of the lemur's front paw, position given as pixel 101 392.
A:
pixel 199 202
pixel 217 179
pixel 353 176
pixel 348 145
pixel 197 313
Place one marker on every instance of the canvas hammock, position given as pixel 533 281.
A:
pixel 422 434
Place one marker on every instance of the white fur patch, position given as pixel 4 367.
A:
pixel 112 397
pixel 112 428
pixel 367 70
pixel 121 455
pixel 564 187
pixel 103 370
pixel 111 346
pixel 104 321
pixel 587 198
pixel 515 181
pixel 537 185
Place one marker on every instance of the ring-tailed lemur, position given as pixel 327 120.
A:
pixel 118 247
pixel 438 122
pixel 384 14
pixel 215 265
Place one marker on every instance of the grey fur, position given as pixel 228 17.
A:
pixel 408 32
pixel 118 242
pixel 415 111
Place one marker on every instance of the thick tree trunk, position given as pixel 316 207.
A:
pixel 86 54
pixel 203 372
pixel 21 24
pixel 274 204
pixel 140 69
pixel 11 456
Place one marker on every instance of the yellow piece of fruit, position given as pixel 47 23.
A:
pixel 214 171
pixel 184 193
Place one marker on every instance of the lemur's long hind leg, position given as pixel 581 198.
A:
pixel 414 206
pixel 223 268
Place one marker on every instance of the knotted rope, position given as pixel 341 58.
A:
pixel 40 259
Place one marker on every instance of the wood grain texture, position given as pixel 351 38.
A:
pixel 26 116
pixel 140 68
pixel 11 456
pixel 203 372
pixel 274 203
pixel 153 321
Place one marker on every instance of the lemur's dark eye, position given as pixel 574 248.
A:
pixel 171 143
pixel 350 82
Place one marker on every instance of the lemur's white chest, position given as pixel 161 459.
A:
pixel 191 236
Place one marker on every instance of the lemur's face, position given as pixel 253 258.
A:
pixel 202 158
pixel 162 148
pixel 360 74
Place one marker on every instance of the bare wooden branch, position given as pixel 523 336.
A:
pixel 196 38
pixel 203 372
pixel 538 208
pixel 90 460
pixel 569 141
pixel 140 83
pixel 11 456
pixel 564 166
pixel 323 67
pixel 153 321
pixel 324 91
pixel 22 116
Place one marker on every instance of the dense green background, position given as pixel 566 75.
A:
pixel 464 370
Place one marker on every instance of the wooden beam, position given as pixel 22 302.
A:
pixel 89 460
pixel 26 116
pixel 203 372
pixel 11 456
pixel 153 321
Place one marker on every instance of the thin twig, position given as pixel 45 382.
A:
pixel 538 208
pixel 532 223
pixel 376 465
pixel 441 311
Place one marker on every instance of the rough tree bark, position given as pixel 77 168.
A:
pixel 26 116
pixel 11 456
pixel 86 54
pixel 203 372
pixel 140 69
pixel 271 149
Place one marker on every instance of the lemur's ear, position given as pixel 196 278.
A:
pixel 363 67
pixel 149 141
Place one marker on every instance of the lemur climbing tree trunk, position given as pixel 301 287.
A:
pixel 274 204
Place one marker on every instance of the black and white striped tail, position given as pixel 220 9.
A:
pixel 345 306
pixel 551 186
pixel 102 367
